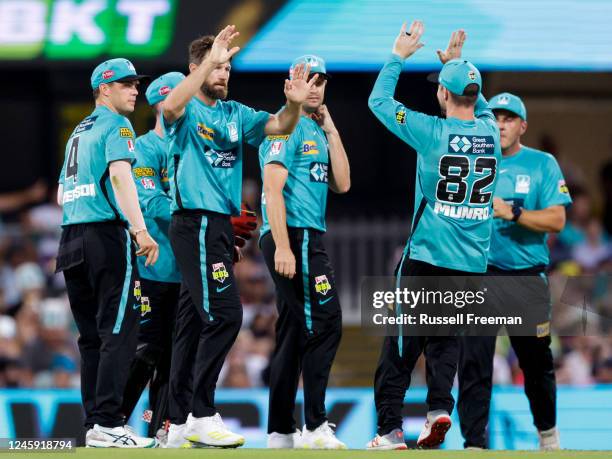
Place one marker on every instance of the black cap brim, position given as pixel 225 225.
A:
pixel 133 78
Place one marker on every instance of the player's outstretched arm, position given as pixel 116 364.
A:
pixel 454 48
pixel 340 171
pixel 127 199
pixel 275 177
pixel 220 53
pixel 296 91
pixel 416 129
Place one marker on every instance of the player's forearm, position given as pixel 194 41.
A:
pixel 340 177
pixel 179 97
pixel 60 195
pixel 277 216
pixel 551 220
pixel 384 88
pixel 285 121
pixel 126 194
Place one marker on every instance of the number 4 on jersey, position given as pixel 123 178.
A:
pixel 73 165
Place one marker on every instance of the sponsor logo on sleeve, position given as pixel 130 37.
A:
pixel 471 144
pixel 164 175
pixel 144 172
pixel 318 172
pixel 205 132
pixel 130 144
pixel 400 116
pixel 147 183
pixel 563 187
pixel 126 133
pixel 276 148
pixel 310 147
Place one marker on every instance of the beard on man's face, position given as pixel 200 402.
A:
pixel 214 92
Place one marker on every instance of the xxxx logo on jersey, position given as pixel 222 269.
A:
pixel 205 132
pixel 219 273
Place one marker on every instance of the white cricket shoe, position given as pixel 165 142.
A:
pixel 285 441
pixel 210 431
pixel 117 437
pixel 176 437
pixel 549 439
pixel 391 441
pixel 433 433
pixel 323 437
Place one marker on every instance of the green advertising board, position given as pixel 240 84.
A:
pixel 85 29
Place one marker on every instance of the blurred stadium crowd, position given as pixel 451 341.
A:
pixel 38 336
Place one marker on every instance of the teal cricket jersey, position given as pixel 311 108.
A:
pixel 457 165
pixel 151 177
pixel 533 180
pixel 102 137
pixel 305 155
pixel 205 163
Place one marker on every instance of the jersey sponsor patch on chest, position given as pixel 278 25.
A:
pixel 205 132
pixel 471 144
pixel 310 147
pixel 221 159
pixel 318 172
pixel 522 184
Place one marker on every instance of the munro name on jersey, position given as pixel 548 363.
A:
pixel 461 212
pixel 471 144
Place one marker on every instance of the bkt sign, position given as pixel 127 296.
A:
pixel 82 29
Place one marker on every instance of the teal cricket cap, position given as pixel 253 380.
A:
pixel 118 69
pixel 456 75
pixel 510 102
pixel 317 65
pixel 161 87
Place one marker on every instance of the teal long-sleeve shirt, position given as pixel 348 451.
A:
pixel 151 177
pixel 457 162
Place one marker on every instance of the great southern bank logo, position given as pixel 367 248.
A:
pixel 460 144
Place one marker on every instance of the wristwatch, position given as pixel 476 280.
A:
pixel 516 212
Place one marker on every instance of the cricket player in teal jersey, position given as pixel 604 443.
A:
pixel 101 216
pixel 529 202
pixel 457 159
pixel 205 135
pixel 159 283
pixel 297 172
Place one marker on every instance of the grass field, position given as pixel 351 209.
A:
pixel 86 453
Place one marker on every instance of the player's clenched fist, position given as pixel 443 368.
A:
pixel 407 43
pixel 284 262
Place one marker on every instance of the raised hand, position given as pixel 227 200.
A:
pixel 455 45
pixel 297 89
pixel 220 53
pixel 407 43
pixel 324 119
